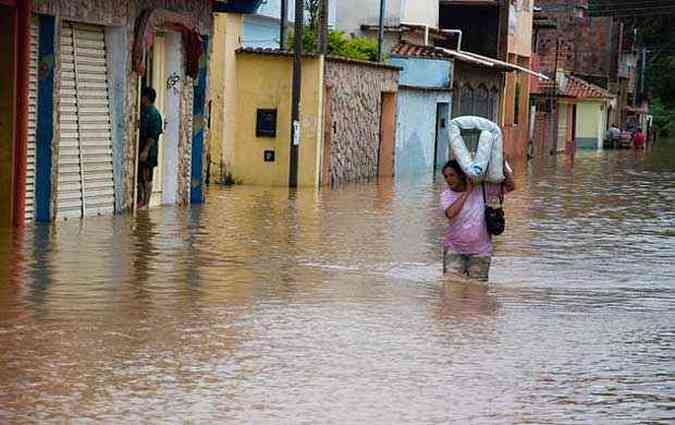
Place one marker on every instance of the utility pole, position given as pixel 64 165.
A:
pixel 642 73
pixel 297 87
pixel 283 21
pixel 553 121
pixel 323 27
pixel 380 35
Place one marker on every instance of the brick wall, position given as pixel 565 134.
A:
pixel 588 45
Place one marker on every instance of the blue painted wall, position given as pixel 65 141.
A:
pixel 416 130
pixel 424 72
pixel 261 30
pixel 199 105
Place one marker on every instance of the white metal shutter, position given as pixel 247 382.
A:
pixel 32 121
pixel 85 185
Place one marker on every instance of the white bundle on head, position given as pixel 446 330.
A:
pixel 488 162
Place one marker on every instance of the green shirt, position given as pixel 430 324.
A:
pixel 151 128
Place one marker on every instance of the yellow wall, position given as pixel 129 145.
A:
pixel 265 82
pixel 588 114
pixel 6 114
pixel 223 88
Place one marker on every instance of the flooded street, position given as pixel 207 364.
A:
pixel 262 307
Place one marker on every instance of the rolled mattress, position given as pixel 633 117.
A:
pixel 488 162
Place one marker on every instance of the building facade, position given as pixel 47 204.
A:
pixel 88 62
pixel 502 30
pixel 337 144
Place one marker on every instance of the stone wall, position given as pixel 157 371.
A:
pixel 355 104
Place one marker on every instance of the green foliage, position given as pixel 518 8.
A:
pixel 339 44
pixel 657 33
pixel 664 116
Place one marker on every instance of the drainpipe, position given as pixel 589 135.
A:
pixel 459 40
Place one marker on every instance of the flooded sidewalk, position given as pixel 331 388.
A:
pixel 266 306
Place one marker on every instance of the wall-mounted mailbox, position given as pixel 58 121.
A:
pixel 269 156
pixel 266 123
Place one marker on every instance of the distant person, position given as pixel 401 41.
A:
pixel 150 130
pixel 467 248
pixel 614 134
pixel 639 139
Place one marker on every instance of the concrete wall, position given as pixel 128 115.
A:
pixel 351 14
pixel 7 68
pixel 416 129
pixel 429 73
pixel 420 12
pixel 520 27
pixel 264 82
pixel 356 110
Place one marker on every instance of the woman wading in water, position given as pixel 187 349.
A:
pixel 467 248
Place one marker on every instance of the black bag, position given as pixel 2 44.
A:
pixel 494 217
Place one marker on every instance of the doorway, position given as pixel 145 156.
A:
pixel 385 160
pixel 155 77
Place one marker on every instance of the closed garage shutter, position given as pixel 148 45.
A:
pixel 85 181
pixel 32 122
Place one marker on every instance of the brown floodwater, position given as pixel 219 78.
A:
pixel 266 306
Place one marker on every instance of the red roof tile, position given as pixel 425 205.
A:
pixel 415 50
pixel 580 89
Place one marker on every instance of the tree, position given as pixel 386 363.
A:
pixel 339 44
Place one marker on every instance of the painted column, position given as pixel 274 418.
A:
pixel 45 120
pixel 199 121
pixel 21 130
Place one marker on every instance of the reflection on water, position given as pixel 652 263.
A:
pixel 267 306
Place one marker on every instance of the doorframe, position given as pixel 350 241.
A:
pixel 387 134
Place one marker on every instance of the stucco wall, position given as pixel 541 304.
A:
pixel 224 93
pixel 356 109
pixel 590 124
pixel 424 72
pixel 416 129
pixel 260 31
pixel 265 82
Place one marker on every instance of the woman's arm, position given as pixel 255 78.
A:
pixel 454 209
pixel 508 184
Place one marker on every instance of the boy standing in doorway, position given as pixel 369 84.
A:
pixel 150 130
